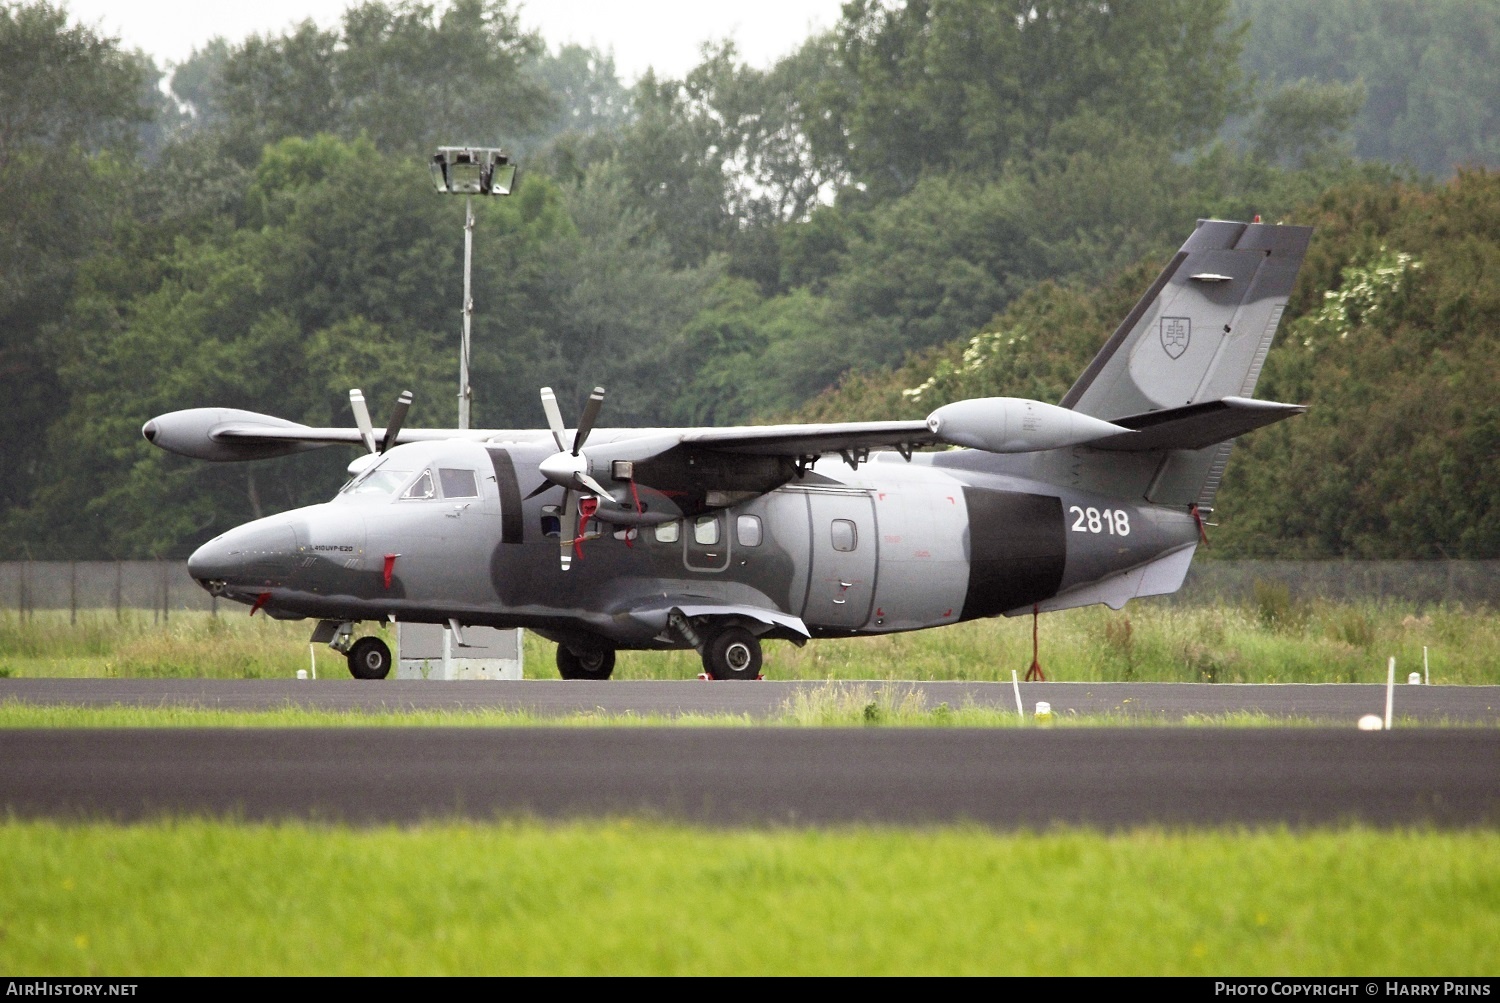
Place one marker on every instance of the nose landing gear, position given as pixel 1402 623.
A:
pixel 369 658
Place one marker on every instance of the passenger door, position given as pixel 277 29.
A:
pixel 841 585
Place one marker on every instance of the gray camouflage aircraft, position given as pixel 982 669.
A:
pixel 603 539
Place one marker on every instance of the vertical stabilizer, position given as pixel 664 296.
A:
pixel 1201 333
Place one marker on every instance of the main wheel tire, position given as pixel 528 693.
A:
pixel 733 653
pixel 369 658
pixel 596 664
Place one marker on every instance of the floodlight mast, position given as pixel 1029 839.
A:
pixel 470 171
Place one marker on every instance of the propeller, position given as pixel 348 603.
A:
pixel 569 469
pixel 367 430
pixel 362 419
pixel 398 418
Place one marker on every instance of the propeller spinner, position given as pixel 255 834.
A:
pixel 568 468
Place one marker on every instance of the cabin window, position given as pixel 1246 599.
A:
pixel 667 532
pixel 845 536
pixel 747 530
pixel 458 483
pixel 421 487
pixel 706 530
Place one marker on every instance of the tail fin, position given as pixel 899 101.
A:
pixel 1200 334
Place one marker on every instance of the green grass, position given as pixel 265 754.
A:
pixel 192 897
pixel 1273 639
pixel 885 705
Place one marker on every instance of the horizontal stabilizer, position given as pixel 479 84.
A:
pixel 1194 426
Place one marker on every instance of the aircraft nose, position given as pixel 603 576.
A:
pixel 258 553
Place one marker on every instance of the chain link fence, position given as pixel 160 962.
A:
pixel 166 588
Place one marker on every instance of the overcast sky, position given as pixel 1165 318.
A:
pixel 665 34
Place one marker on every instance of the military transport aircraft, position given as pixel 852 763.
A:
pixel 603 539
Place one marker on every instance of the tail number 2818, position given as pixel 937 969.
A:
pixel 1114 521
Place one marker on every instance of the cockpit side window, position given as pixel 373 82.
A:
pixel 422 487
pixel 458 483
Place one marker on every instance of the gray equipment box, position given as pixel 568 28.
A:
pixel 429 651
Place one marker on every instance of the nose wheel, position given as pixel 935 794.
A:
pixel 369 658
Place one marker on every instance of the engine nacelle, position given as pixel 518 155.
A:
pixel 1015 425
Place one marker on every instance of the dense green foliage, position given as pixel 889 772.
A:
pixel 718 248
pixel 1428 72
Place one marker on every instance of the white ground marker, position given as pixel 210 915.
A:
pixel 1016 685
pixel 1390 690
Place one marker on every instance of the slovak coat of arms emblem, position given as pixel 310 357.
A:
pixel 1176 332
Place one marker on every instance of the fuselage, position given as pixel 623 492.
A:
pixel 444 530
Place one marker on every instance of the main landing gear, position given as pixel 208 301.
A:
pixel 729 653
pixel 597 663
pixel 732 653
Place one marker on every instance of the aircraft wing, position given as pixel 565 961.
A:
pixel 258 435
pixel 229 434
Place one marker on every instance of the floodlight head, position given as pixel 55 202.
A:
pixel 468 170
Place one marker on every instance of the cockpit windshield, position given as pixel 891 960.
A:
pixel 381 481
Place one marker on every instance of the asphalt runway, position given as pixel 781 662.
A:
pixel 1108 778
pixel 1340 704
pixel 1006 778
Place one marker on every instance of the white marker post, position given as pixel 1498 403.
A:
pixel 1390 690
pixel 1426 676
pixel 1016 685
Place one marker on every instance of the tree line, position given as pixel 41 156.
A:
pixel 724 247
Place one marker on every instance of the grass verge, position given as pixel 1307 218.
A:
pixel 194 897
pixel 1272 640
pixel 884 706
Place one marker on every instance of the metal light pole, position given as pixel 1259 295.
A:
pixel 470 171
pixel 465 391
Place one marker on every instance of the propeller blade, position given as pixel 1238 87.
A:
pixel 362 419
pixel 599 490
pixel 398 418
pixel 554 417
pixel 568 521
pixel 544 486
pixel 590 415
